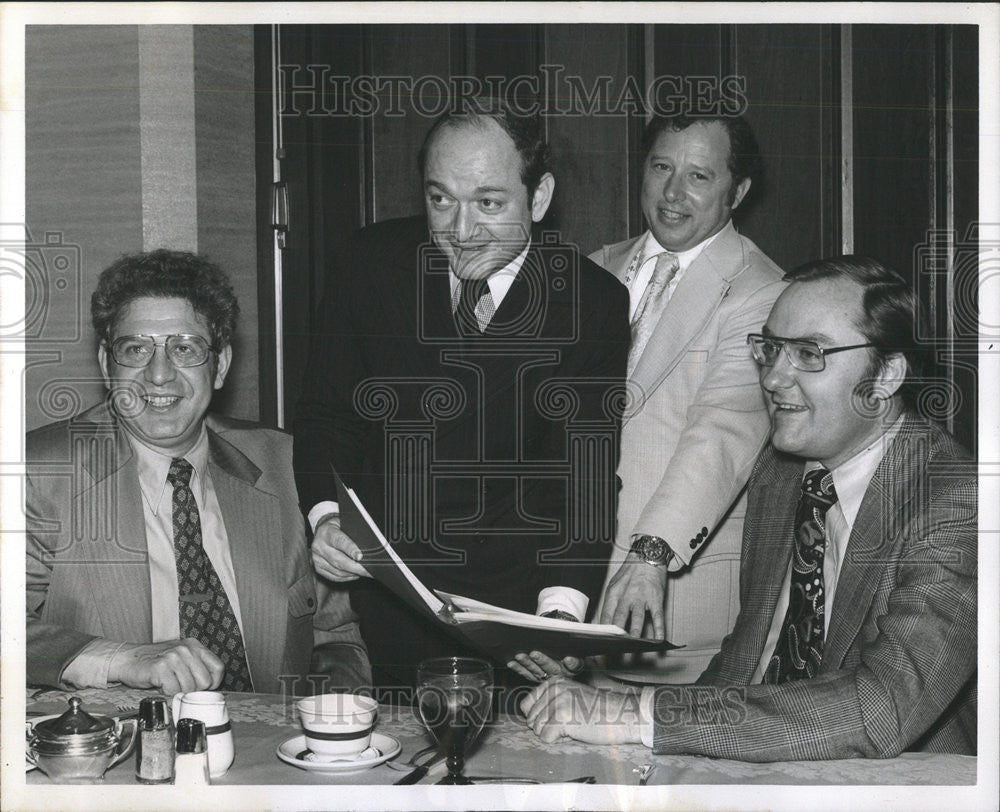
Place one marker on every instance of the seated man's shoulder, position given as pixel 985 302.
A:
pixel 946 462
pixel 250 436
pixel 53 441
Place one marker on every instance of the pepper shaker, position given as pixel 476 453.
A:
pixel 154 752
pixel 191 762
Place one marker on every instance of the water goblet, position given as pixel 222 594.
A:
pixel 454 696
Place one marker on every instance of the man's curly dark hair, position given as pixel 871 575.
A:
pixel 167 275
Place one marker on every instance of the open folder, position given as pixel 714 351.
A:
pixel 500 633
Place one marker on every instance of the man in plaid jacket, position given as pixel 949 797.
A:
pixel 857 629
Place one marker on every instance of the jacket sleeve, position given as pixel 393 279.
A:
pixel 725 427
pixel 916 656
pixel 49 648
pixel 339 653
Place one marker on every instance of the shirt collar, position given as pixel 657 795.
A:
pixel 852 477
pixel 154 466
pixel 651 247
pixel 499 282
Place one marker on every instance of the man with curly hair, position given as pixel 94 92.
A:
pixel 165 547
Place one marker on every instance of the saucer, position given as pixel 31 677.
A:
pixel 294 751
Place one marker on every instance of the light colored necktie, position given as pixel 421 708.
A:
pixel 475 307
pixel 654 300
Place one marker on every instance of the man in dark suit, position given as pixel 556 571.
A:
pixel 857 628
pixel 463 382
pixel 165 547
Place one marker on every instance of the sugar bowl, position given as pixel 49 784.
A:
pixel 78 747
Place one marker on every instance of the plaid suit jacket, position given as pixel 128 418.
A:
pixel 899 665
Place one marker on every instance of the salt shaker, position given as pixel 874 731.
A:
pixel 154 751
pixel 191 761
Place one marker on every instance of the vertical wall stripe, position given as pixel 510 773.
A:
pixel 648 64
pixel 846 140
pixel 278 151
pixel 167 137
pixel 949 197
pixel 366 188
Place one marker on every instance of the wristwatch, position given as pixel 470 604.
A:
pixel 652 549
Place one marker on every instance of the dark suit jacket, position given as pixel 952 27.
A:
pixel 899 665
pixel 463 448
pixel 87 571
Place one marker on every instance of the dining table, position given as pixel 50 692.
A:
pixel 507 749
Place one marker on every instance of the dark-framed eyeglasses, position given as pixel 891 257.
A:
pixel 182 350
pixel 805 355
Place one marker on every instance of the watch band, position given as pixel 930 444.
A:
pixel 652 549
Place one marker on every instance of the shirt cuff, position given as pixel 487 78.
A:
pixel 89 668
pixel 676 562
pixel 319 510
pixel 646 715
pixel 562 599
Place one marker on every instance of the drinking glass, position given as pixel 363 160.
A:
pixel 454 695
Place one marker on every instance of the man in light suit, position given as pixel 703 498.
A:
pixel 695 421
pixel 165 547
pixel 857 629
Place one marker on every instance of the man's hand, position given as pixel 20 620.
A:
pixel 536 666
pixel 559 707
pixel 636 587
pixel 334 555
pixel 171 666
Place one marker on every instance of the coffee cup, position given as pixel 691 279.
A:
pixel 210 708
pixel 337 725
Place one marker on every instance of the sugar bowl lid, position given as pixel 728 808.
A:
pixel 75 732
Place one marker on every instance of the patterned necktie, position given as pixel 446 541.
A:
pixel 473 294
pixel 799 649
pixel 204 609
pixel 648 313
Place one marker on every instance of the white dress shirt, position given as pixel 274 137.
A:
pixel 550 599
pixel 90 666
pixel 850 481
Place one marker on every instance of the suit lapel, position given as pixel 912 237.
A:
pixel 767 553
pixel 530 301
pixel 434 307
pixel 110 525
pixel 255 542
pixel 691 307
pixel 872 538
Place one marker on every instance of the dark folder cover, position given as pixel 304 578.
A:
pixel 500 633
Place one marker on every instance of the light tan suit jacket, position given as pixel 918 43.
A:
pixel 694 425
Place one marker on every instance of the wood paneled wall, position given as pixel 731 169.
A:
pixel 891 109
pixel 136 138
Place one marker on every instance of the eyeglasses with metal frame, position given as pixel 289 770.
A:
pixel 183 350
pixel 803 354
